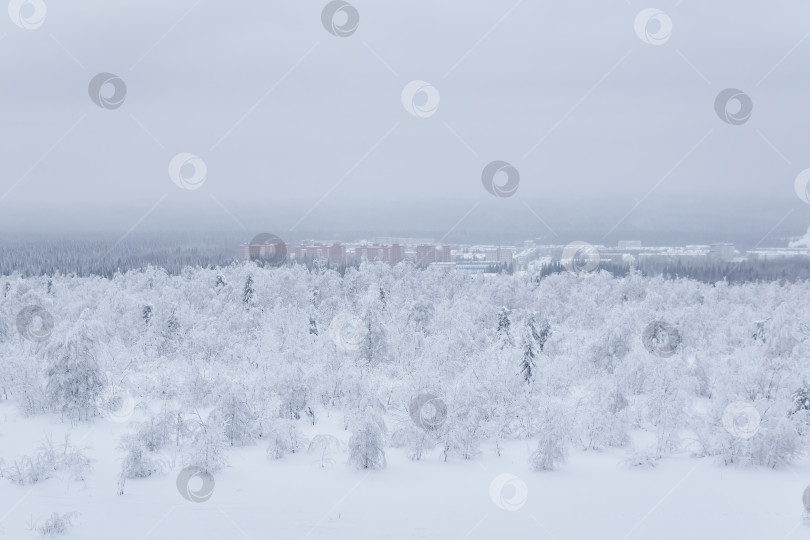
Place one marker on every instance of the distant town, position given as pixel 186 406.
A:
pixel 708 263
pixel 531 255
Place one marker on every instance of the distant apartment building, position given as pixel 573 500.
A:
pixel 335 253
pixel 372 252
pixel 425 254
pixel 397 253
pixel 629 244
pixel 391 254
pixel 763 254
pixel 475 267
pixel 695 254
pixel 499 255
pixel 312 251
pixel 506 255
pixel 444 254
pixel 431 253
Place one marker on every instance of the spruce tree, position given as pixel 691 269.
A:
pixel 528 364
pixel 504 325
pixel 247 295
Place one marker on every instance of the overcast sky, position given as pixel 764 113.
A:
pixel 602 127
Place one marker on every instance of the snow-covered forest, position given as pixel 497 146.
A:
pixel 428 366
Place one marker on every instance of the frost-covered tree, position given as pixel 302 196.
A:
pixel 294 394
pixel 552 440
pixel 539 332
pixel 208 445
pixel 367 443
pixel 603 418
pixel 466 425
pixel 324 446
pixel 284 437
pixel 374 347
pixel 146 314
pixel 73 378
pixel 139 463
pixel 170 337
pixel 801 399
pixel 415 440
pixel 239 420
pixel 156 432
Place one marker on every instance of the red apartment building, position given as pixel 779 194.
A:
pixel 335 253
pixel 380 252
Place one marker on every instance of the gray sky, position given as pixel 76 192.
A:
pixel 290 119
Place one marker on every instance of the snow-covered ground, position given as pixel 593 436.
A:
pixel 595 495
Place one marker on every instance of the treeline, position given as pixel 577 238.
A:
pixel 107 256
pixel 790 270
pixel 787 269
